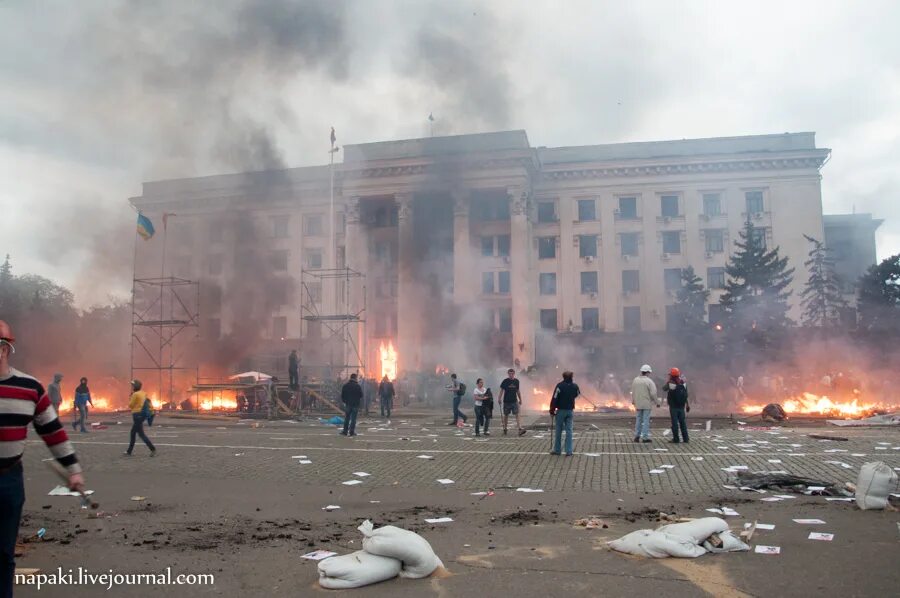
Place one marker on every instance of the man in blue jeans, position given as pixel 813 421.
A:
pixel 562 406
pixel 643 395
pixel 351 396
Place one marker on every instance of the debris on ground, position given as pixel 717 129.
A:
pixel 684 540
pixel 774 412
pixel 828 437
pixel 412 550
pixel 758 480
pixel 890 419
pixel 591 523
pixel 356 570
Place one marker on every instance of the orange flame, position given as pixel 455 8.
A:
pixel 388 358
pixel 221 400
pixel 808 403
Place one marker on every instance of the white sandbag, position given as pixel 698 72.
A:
pixel 356 570
pixel 730 543
pixel 697 530
pixel 414 551
pixel 875 482
pixel 657 544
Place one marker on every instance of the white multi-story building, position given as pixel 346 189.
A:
pixel 483 247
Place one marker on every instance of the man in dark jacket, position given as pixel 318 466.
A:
pixel 351 396
pixel 562 406
pixel 386 396
pixel 677 398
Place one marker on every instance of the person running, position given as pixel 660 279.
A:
pixel 511 399
pixel 457 391
pixel 82 399
pixel 677 398
pixel 483 400
pixel 139 414
pixel 55 392
pixel 23 401
pixel 643 396
pixel 351 397
pixel 562 408
pixel 386 395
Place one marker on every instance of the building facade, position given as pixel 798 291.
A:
pixel 851 241
pixel 481 246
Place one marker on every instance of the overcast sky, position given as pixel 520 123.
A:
pixel 97 96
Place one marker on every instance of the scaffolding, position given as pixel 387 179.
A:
pixel 342 326
pixel 163 313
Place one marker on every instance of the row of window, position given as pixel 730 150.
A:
pixel 670 206
pixel 631 281
pixel 278 262
pixel 278 228
pixel 631 318
pixel 714 242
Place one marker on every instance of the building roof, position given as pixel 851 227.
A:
pixel 785 142
pixel 851 220
pixel 435 146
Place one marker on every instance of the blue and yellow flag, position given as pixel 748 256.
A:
pixel 145 227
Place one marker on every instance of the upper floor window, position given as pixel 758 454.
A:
pixel 669 206
pixel 546 211
pixel 758 238
pixel 631 281
pixel 547 283
pixel 672 279
pixel 587 210
pixel 546 248
pixel 548 319
pixel 628 207
pixel 671 242
pixel 279 260
pixel 587 245
pixel 712 205
pixel 588 283
pixel 629 243
pixel 312 225
pixel 715 278
pixel 715 241
pixel 754 201
pixel 313 258
pixel 279 226
pixel 503 282
pixel 590 319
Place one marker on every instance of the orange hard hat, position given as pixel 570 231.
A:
pixel 675 372
pixel 6 333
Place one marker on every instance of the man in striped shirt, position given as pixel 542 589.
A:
pixel 23 401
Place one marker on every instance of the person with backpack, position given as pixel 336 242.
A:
pixel 82 400
pixel 141 411
pixel 484 402
pixel 457 391
pixel 562 407
pixel 677 398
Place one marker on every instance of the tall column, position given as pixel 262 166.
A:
pixel 463 272
pixel 351 290
pixel 523 315
pixel 409 306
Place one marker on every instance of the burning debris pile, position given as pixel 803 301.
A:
pixel 815 405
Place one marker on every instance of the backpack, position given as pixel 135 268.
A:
pixel 147 412
pixel 487 401
pixel 462 389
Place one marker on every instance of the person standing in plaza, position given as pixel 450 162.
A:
pixel 272 397
pixel 294 370
pixel 483 400
pixel 55 392
pixel 23 401
pixel 386 396
pixel 643 396
pixel 511 400
pixel 457 391
pixel 562 408
pixel 677 398
pixel 137 404
pixel 82 399
pixel 351 397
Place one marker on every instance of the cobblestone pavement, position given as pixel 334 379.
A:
pixel 605 458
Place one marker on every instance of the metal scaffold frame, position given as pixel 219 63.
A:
pixel 345 323
pixel 163 310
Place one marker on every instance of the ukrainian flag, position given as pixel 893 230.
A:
pixel 145 227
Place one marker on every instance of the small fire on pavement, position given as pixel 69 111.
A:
pixel 811 404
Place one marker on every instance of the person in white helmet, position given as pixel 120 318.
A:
pixel 643 396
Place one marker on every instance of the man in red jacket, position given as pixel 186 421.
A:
pixel 23 401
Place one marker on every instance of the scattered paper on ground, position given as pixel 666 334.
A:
pixel 424 457
pixel 767 549
pixel 529 490
pixel 138 498
pixel 809 521
pixel 330 508
pixel 361 474
pixel 63 491
pixel 318 555
pixel 351 482
pixel 768 526
pixel 445 481
pixel 821 536
pixel 439 520
pixel 657 471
